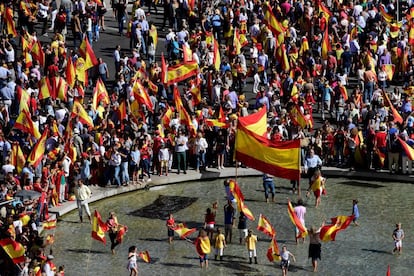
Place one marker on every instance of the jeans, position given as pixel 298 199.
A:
pixel 269 187
pixel 181 161
pixel 121 25
pixel 77 36
pixel 124 172
pixel 115 176
pixel 145 167
pixel 201 160
pixel 369 89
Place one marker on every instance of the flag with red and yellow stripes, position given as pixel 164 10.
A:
pixel 144 255
pixel 24 123
pixel 9 21
pixel 264 225
pixel 14 250
pixel 98 228
pixel 100 95
pixel 273 253
pixel 183 231
pixel 303 232
pixel 339 223
pixel 17 158
pixel 181 72
pixel 79 111
pixel 49 224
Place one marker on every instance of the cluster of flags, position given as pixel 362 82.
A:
pixel 281 159
pixel 264 225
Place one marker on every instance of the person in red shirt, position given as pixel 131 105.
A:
pixel 380 144
pixel 170 226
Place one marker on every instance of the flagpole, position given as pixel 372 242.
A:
pixel 300 168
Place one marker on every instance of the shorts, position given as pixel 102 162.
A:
pixel 203 258
pixel 317 193
pixel 210 226
pixel 284 264
pixel 170 232
pixel 219 251
pixel 164 163
pixel 398 243
pixel 243 233
pixel 252 253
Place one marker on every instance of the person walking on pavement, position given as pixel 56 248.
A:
pixel 83 193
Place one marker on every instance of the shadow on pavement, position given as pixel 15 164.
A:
pixel 87 251
pixel 361 184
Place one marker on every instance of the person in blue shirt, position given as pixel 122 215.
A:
pixel 229 216
pixel 355 211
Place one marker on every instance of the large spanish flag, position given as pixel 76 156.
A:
pixel 339 223
pixel 303 232
pixel 24 123
pixel 79 111
pixel 264 225
pixel 181 72
pixel 409 151
pixel 98 228
pixel 182 230
pixel 39 149
pixel 271 21
pixel 88 54
pixel 14 249
pixel 281 159
pixel 255 122
pixel 100 95
pixel 273 253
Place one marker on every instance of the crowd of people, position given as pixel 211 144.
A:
pixel 299 55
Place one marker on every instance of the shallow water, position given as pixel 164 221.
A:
pixel 363 250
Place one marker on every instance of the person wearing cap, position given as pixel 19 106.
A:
pixel 49 267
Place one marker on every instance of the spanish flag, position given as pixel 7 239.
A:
pixel 343 91
pixel 88 54
pixel 304 46
pixel 216 123
pixel 389 69
pixel 202 245
pixel 395 29
pixel 281 159
pixel 49 224
pixel 263 224
pixel 339 223
pixel 24 218
pixel 166 118
pixel 24 123
pixel 154 34
pixel 14 249
pixel 53 154
pixel 141 95
pixel 98 228
pixel 45 88
pixel 282 57
pixel 255 122
pixel 81 71
pixel 271 21
pixel 122 110
pixel 397 117
pixel 177 99
pixel 238 195
pixel 79 111
pixel 185 119
pixel 326 12
pixel 38 150
pixel 23 97
pixel 409 151
pixel 236 42
pixel 303 232
pixel 37 53
pixel 121 233
pixel 17 158
pixel 70 73
pixel 144 255
pixel 216 56
pixel 100 94
pixel 196 94
pixel 187 54
pixel 183 231
pixel 50 239
pixel 28 60
pixel 9 21
pixel 387 17
pixel 326 45
pixel 61 88
pixel 273 253
pixel 181 72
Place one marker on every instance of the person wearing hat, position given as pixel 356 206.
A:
pixel 49 268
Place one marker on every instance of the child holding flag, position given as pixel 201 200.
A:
pixel 170 226
pixel 132 261
pixel 203 248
